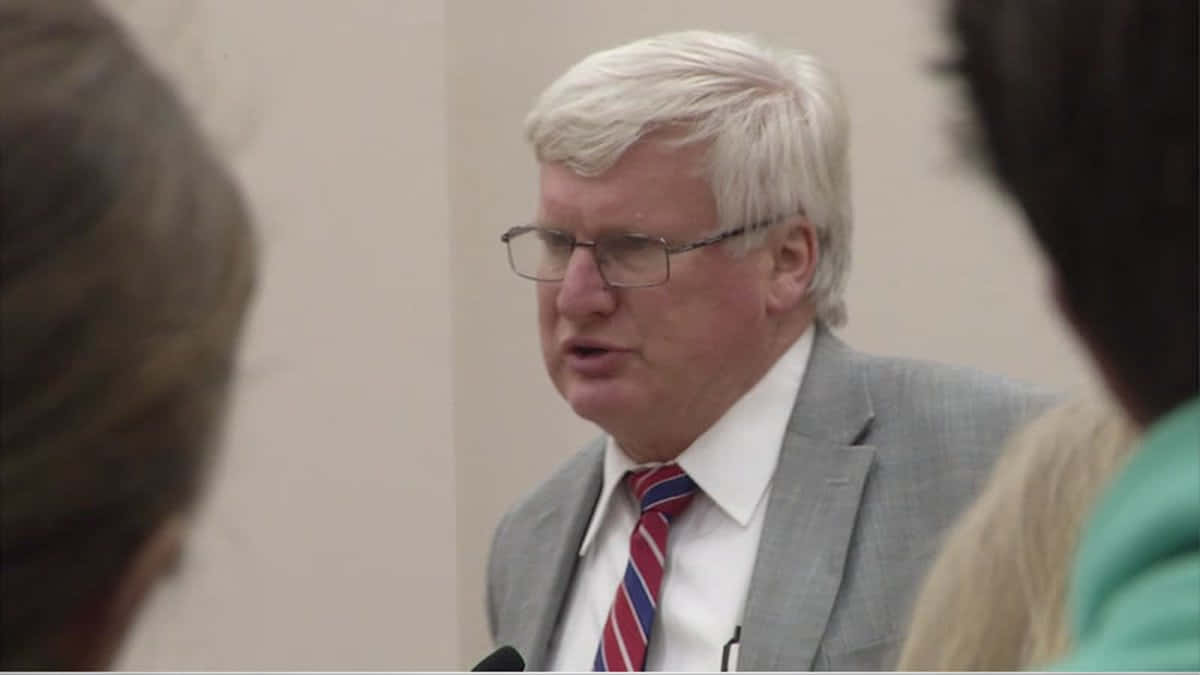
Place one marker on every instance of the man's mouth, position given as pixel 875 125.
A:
pixel 587 352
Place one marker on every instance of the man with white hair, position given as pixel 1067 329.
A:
pixel 690 249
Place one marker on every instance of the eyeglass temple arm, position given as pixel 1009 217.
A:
pixel 514 231
pixel 717 238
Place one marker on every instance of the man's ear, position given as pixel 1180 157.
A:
pixel 794 253
pixel 93 641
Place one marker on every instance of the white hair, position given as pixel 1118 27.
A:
pixel 774 121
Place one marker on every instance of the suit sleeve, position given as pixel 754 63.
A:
pixel 494 576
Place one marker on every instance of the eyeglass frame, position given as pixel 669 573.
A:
pixel 668 248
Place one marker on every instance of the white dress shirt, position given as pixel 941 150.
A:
pixel 712 545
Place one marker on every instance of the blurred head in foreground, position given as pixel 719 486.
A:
pixel 1087 112
pixel 1087 115
pixel 128 260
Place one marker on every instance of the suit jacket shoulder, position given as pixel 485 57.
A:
pixel 966 412
pixel 881 456
pixel 534 553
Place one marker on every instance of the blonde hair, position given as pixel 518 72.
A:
pixel 774 122
pixel 994 597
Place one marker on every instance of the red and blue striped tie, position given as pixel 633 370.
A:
pixel 664 493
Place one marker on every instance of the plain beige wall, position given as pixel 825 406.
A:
pixel 393 402
pixel 328 541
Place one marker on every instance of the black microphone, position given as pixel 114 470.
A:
pixel 502 660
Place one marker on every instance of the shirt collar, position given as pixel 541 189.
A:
pixel 733 461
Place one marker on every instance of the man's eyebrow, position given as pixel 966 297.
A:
pixel 608 228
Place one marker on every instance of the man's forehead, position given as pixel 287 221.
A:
pixel 658 194
pixel 591 204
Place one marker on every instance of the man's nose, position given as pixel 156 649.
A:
pixel 583 291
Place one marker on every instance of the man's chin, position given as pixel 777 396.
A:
pixel 602 403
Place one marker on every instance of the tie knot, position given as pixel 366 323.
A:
pixel 666 489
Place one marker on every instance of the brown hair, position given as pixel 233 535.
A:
pixel 127 261
pixel 994 597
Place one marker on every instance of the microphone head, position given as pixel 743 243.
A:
pixel 504 659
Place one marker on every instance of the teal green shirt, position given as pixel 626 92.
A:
pixel 1135 592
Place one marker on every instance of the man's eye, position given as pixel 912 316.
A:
pixel 554 241
pixel 628 245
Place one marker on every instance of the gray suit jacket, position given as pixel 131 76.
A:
pixel 879 457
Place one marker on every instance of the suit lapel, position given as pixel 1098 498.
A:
pixel 554 554
pixel 811 513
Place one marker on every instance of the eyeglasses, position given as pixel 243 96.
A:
pixel 624 260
